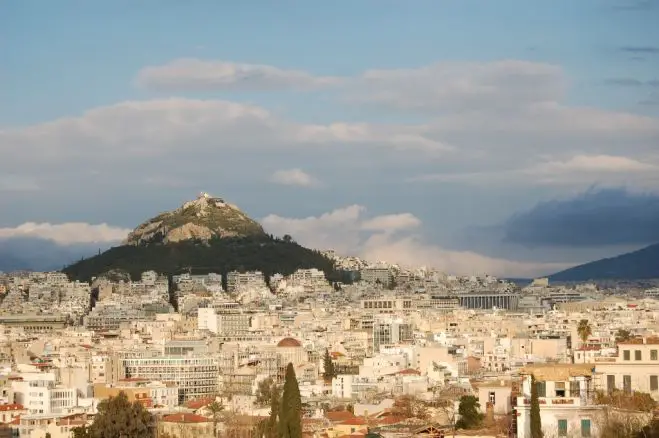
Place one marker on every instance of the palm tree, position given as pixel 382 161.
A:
pixel 215 408
pixel 584 330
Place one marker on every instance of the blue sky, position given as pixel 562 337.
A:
pixel 469 112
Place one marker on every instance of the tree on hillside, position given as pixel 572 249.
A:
pixel 118 417
pixel 290 411
pixel 584 330
pixel 271 425
pixel 634 401
pixel 469 411
pixel 328 365
pixel 407 406
pixel 623 335
pixel 536 424
pixel 264 391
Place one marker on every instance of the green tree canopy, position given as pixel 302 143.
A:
pixel 264 391
pixel 117 417
pixel 623 335
pixel 328 365
pixel 470 416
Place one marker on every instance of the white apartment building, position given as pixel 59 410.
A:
pixel 236 280
pixel 391 332
pixel 39 394
pixel 195 375
pixel 225 322
pixel 565 394
pixel 635 368
pixel 378 274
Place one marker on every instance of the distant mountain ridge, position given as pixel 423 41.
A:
pixel 637 265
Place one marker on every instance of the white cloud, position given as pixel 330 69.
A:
pixel 196 74
pixel 350 231
pixel 459 86
pixel 151 130
pixel 577 171
pixel 592 163
pixel 67 233
pixel 391 222
pixel 294 177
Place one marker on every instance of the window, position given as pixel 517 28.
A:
pixel 627 384
pixel 653 354
pixel 575 390
pixel 626 355
pixel 559 387
pixel 610 383
pixel 491 397
pixel 654 383
pixel 541 387
pixel 637 355
pixel 562 427
pixel 585 428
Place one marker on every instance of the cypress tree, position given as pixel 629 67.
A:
pixel 290 414
pixel 536 425
pixel 272 425
pixel 328 364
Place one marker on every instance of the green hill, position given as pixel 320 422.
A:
pixel 220 255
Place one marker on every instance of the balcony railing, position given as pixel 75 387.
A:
pixel 552 401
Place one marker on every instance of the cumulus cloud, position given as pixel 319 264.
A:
pixel 196 74
pixel 595 218
pixel 66 233
pixel 150 130
pixel 294 177
pixel 350 231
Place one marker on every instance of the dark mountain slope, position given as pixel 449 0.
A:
pixel 637 265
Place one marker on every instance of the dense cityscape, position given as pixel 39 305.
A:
pixel 400 352
pixel 329 219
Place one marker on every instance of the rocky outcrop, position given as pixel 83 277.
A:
pixel 187 232
pixel 204 218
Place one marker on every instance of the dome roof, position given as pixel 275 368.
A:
pixel 289 342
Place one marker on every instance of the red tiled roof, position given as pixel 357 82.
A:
pixel 356 421
pixel 339 415
pixel 199 403
pixel 391 420
pixel 11 407
pixel 185 418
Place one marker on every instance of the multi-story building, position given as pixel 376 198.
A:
pixel 635 368
pixel 236 280
pixel 566 398
pixel 195 375
pixel 378 274
pixel 391 332
pixel 39 394
pixel 479 300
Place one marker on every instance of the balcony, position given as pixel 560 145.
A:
pixel 551 401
